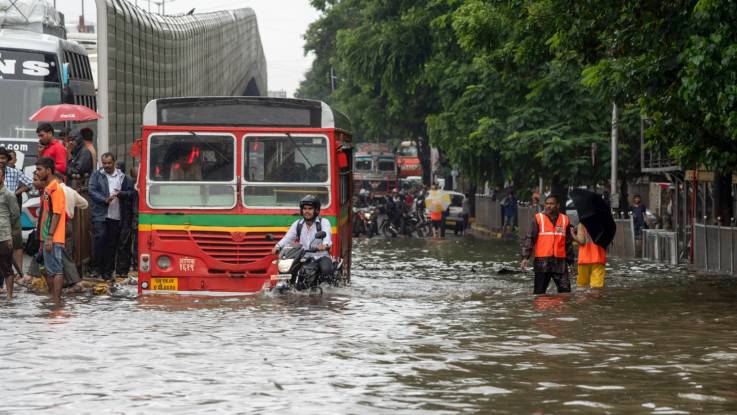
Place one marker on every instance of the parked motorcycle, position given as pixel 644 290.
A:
pixel 409 224
pixel 300 272
pixel 365 221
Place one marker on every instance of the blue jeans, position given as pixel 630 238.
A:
pixel 53 259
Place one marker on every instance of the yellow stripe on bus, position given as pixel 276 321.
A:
pixel 147 228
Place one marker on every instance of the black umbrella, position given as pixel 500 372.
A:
pixel 595 216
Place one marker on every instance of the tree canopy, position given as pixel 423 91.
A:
pixel 515 90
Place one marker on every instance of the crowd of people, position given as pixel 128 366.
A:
pixel 406 210
pixel 67 180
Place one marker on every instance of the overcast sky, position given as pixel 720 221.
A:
pixel 281 24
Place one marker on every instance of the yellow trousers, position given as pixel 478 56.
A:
pixel 591 275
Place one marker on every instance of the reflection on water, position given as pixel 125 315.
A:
pixel 428 326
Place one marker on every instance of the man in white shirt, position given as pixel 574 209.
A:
pixel 304 231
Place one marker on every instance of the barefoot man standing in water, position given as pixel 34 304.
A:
pixel 550 238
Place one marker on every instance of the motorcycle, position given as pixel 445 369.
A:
pixel 365 222
pixel 300 272
pixel 409 224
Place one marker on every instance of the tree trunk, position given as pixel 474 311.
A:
pixel 560 189
pixel 424 153
pixel 723 197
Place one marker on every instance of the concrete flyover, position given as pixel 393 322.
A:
pixel 143 56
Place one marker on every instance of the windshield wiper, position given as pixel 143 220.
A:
pixel 298 149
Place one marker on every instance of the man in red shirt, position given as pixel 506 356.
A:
pixel 52 148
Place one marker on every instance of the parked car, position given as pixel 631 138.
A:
pixel 454 221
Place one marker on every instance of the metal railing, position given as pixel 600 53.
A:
pixel 624 241
pixel 525 216
pixel 715 248
pixel 488 213
pixel 660 245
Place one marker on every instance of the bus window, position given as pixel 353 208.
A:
pixel 363 163
pixel 191 170
pixel 281 169
pixel 386 165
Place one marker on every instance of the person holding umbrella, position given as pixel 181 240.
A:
pixel 594 233
pixel 591 260
pixel 550 237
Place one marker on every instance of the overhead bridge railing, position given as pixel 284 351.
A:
pixel 715 249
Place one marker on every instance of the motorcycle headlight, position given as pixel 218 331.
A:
pixel 367 215
pixel 285 265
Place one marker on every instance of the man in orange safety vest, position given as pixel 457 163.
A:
pixel 550 239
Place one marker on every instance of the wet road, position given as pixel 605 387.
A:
pixel 427 327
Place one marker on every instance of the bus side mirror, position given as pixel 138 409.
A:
pixel 136 148
pixel 342 160
pixel 320 235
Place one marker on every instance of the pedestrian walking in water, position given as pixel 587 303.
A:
pixel 509 210
pixel 109 187
pixel 591 260
pixel 550 238
pixel 638 216
pixel 9 214
pixel 53 226
pixel 18 183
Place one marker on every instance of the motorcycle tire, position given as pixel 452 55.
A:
pixel 387 230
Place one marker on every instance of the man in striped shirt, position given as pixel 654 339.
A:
pixel 17 183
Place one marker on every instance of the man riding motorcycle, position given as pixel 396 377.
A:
pixel 304 230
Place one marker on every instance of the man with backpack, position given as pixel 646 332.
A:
pixel 304 231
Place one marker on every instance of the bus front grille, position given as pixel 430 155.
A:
pixel 234 248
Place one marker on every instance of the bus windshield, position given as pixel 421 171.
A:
pixel 279 170
pixel 363 163
pixel 386 164
pixel 191 169
pixel 410 151
pixel 27 98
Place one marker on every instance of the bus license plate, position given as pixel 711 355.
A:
pixel 164 284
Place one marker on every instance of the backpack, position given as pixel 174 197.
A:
pixel 301 222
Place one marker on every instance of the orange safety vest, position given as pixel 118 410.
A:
pixel 551 240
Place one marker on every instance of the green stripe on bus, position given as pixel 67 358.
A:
pixel 196 219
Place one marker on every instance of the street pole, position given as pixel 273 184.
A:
pixel 615 139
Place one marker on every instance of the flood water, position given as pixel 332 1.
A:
pixel 426 327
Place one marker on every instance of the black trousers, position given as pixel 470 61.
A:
pixel 542 280
pixel 326 266
pixel 104 246
pixel 123 262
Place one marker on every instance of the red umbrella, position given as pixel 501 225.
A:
pixel 64 112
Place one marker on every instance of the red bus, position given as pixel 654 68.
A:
pixel 220 177
pixel 374 169
pixel 408 160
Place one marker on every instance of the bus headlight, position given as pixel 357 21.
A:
pixel 163 262
pixel 144 264
pixel 285 265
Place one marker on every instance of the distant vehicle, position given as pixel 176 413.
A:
pixel 36 70
pixel 408 160
pixel 374 169
pixel 454 220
